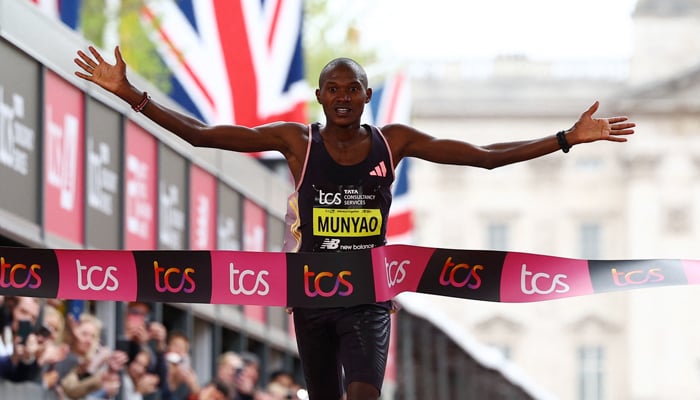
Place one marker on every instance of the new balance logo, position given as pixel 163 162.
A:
pixel 330 244
pixel 379 170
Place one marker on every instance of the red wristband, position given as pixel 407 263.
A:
pixel 144 101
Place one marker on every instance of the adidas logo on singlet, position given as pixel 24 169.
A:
pixel 379 170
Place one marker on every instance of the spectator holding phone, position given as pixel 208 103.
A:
pixel 182 381
pixel 89 367
pixel 141 332
pixel 246 381
pixel 52 350
pixel 228 365
pixel 21 345
pixel 6 303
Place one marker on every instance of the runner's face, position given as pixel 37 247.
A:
pixel 343 96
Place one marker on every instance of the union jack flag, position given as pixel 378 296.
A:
pixel 67 11
pixel 391 103
pixel 233 61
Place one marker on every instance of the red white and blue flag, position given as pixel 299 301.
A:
pixel 233 61
pixel 241 61
pixel 391 103
pixel 67 11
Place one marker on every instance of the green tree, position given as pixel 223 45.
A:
pixel 319 48
pixel 135 45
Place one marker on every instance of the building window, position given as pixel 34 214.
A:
pixel 590 237
pixel 590 367
pixel 498 236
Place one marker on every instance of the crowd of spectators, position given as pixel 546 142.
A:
pixel 44 343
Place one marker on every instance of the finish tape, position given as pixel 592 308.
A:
pixel 323 279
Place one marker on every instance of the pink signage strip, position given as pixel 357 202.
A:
pixel 323 279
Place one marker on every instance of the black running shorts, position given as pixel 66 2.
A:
pixel 349 340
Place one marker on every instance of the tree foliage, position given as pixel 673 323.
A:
pixel 319 47
pixel 133 38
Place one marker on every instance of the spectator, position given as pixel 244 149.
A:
pixel 141 331
pixel 246 381
pixel 53 349
pixel 281 386
pixel 18 363
pixel 229 363
pixel 5 329
pixel 138 382
pixel 213 390
pixel 182 380
pixel 89 368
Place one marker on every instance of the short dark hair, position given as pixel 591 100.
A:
pixel 344 61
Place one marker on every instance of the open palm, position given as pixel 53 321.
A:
pixel 97 70
pixel 589 129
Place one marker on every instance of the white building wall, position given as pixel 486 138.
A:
pixel 645 194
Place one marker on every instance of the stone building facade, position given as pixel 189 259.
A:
pixel 636 200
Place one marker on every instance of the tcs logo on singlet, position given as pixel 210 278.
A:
pixel 19 276
pixel 329 199
pixel 174 279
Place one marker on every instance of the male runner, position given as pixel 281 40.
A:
pixel 328 159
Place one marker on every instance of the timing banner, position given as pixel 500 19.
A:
pixel 323 279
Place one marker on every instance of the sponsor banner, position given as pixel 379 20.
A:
pixel 228 218
pixel 103 179
pixel 202 209
pixel 34 273
pixel 330 279
pixel 402 269
pixel 20 134
pixel 99 274
pixel 140 191
pixel 533 277
pixel 336 279
pixel 63 159
pixel 250 278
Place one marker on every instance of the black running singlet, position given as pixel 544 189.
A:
pixel 337 207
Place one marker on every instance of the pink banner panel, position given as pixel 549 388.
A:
pixel 202 209
pixel 692 271
pixel 532 277
pixel 403 268
pixel 97 275
pixel 254 226
pixel 64 134
pixel 253 278
pixel 140 189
